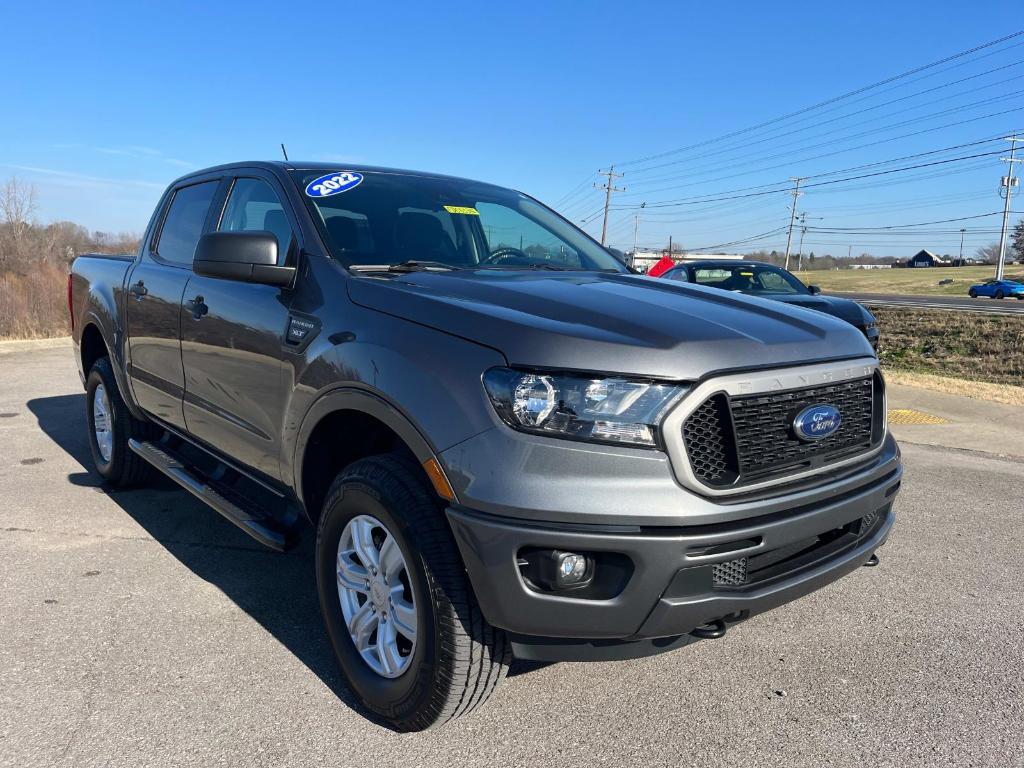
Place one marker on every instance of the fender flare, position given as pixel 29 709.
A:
pixel 355 399
pixel 115 351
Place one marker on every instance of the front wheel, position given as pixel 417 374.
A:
pixel 399 609
pixel 972 293
pixel 999 294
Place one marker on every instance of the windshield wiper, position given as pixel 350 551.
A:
pixel 535 265
pixel 409 265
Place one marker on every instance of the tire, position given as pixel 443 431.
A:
pixel 999 295
pixel 972 293
pixel 116 463
pixel 457 659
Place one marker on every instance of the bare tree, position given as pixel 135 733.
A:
pixel 990 253
pixel 17 205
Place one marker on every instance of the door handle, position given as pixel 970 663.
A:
pixel 198 307
pixel 138 290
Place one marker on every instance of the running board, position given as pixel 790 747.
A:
pixel 240 510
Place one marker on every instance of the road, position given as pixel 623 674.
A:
pixel 946 303
pixel 140 629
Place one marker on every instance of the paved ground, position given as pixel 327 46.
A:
pixel 139 629
pixel 947 303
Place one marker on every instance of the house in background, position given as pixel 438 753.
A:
pixel 927 259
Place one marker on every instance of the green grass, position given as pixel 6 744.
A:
pixel 917 282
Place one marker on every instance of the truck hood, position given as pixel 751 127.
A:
pixel 612 323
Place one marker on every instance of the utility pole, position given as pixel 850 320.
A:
pixel 792 214
pixel 800 248
pixel 803 231
pixel 960 263
pixel 636 228
pixel 608 189
pixel 670 246
pixel 1009 182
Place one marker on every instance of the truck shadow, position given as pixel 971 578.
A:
pixel 275 589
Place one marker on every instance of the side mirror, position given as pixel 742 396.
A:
pixel 249 257
pixel 815 290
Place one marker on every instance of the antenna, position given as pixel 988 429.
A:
pixel 284 152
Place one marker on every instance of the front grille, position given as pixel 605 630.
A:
pixel 731 441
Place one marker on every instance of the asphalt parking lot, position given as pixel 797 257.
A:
pixel 139 628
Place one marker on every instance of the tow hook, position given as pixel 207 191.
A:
pixel 872 561
pixel 710 631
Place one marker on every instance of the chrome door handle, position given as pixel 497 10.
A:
pixel 138 290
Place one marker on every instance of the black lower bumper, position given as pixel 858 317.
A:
pixel 672 585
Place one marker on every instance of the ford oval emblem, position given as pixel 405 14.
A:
pixel 333 183
pixel 817 422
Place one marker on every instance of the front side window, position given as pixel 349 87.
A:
pixel 253 206
pixel 184 222
pixel 390 218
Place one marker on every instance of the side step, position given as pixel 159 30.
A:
pixel 236 507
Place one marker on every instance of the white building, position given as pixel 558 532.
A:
pixel 643 259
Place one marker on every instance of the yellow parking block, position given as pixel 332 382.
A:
pixel 910 416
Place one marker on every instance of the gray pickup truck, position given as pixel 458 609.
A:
pixel 506 443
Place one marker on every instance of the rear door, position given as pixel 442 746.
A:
pixel 233 337
pixel 153 301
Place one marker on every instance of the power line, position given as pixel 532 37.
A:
pixel 827 102
pixel 802 142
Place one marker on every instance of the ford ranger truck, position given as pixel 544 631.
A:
pixel 506 443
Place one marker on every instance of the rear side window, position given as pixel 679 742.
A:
pixel 254 207
pixel 183 224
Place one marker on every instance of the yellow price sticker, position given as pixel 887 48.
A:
pixel 464 210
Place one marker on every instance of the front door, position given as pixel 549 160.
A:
pixel 232 337
pixel 153 303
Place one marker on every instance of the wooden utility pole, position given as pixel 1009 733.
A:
pixel 608 188
pixel 792 216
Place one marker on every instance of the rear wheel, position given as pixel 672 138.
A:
pixel 399 609
pixel 111 426
pixel 999 294
pixel 972 293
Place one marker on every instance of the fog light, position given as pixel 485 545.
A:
pixel 552 570
pixel 572 568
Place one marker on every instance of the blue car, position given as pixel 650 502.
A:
pixel 997 289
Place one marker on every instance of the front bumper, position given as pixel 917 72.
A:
pixel 669 590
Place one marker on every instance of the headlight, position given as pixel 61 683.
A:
pixel 580 408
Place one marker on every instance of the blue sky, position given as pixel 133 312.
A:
pixel 111 102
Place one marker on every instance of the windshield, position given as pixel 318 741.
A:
pixel 748 278
pixel 380 219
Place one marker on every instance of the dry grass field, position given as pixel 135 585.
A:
pixel 960 345
pixel 917 282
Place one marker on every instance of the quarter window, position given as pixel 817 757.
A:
pixel 184 222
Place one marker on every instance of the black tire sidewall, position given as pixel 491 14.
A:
pixel 101 373
pixel 401 697
pixel 972 294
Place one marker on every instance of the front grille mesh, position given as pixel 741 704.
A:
pixel 708 437
pixel 743 439
pixel 731 573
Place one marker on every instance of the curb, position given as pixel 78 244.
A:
pixel 21 345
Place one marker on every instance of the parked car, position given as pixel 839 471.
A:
pixel 997 289
pixel 767 281
pixel 506 444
